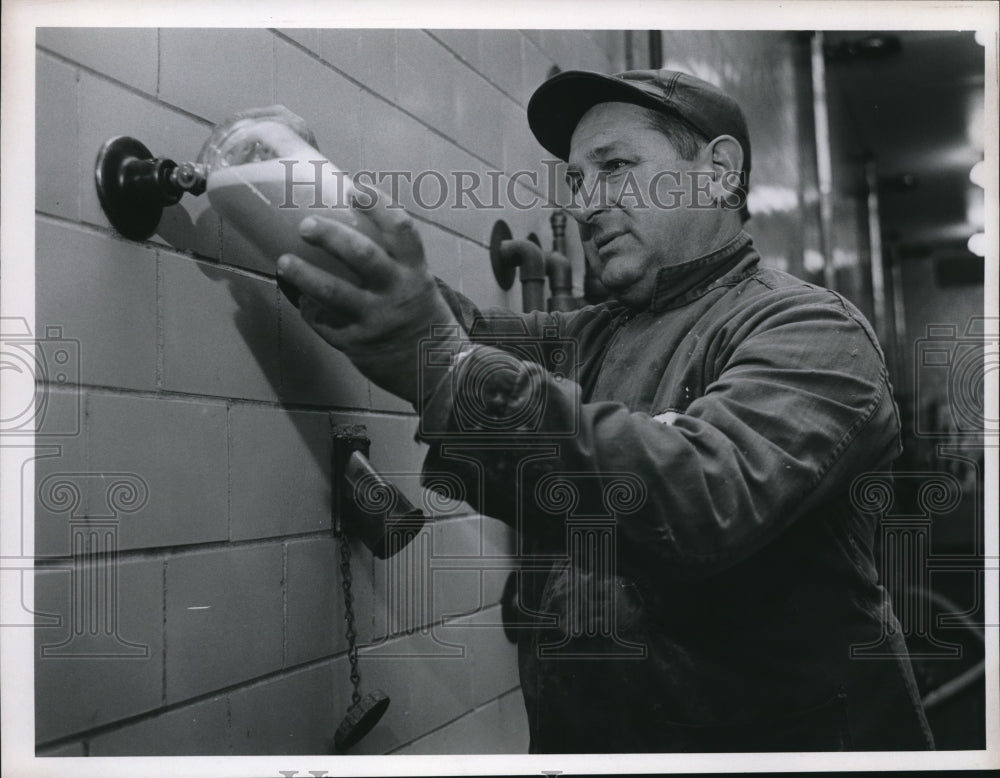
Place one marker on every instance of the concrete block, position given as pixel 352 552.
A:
pixel 293 714
pixel 561 47
pixel 501 59
pixel 521 152
pixel 592 55
pixel 478 283
pixel 279 472
pixel 513 730
pixel 240 252
pixel 381 400
pixel 224 618
pixel 307 37
pixel 534 220
pixel 498 538
pixel 404 597
pixel 534 36
pixel 470 208
pixel 604 40
pixel 201 729
pixel 56 138
pixel 70 749
pixel 490 658
pixel 177 450
pixel 478 110
pixel 465 539
pixel 220 331
pixel 424 584
pixel 464 43
pixel 366 55
pixel 125 54
pixel 443 255
pixel 425 78
pixel 536 63
pixel 102 293
pixel 455 593
pixel 313 371
pixel 60 405
pixel 108 110
pixel 104 661
pixel 330 104
pixel 394 143
pixel 314 609
pixel 60 457
pixel 615 47
pixel 214 72
pixel 458 543
pixel 477 732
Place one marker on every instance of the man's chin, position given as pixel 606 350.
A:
pixel 626 290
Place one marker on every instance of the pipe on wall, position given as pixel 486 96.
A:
pixel 528 258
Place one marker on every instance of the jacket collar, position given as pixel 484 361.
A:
pixel 677 285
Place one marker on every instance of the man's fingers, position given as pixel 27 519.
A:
pixel 359 253
pixel 395 224
pixel 333 328
pixel 336 294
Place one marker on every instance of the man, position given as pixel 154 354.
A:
pixel 735 404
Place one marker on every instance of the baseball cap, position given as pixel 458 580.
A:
pixel 557 105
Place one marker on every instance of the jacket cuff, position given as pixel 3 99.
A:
pixel 437 407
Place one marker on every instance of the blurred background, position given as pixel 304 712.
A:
pixel 212 596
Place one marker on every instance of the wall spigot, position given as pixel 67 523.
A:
pixel 367 506
pixel 134 186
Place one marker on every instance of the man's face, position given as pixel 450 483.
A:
pixel 630 233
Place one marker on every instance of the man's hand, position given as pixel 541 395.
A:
pixel 380 320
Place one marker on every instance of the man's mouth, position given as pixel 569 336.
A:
pixel 603 239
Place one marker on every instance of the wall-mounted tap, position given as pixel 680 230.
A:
pixel 365 505
pixel 134 186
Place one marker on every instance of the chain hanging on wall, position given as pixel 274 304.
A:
pixel 379 516
pixel 365 711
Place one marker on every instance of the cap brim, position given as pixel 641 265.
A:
pixel 557 106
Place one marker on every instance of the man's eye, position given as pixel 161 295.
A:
pixel 615 165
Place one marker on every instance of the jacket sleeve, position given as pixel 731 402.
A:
pixel 495 322
pixel 799 406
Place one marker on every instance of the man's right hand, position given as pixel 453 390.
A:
pixel 380 321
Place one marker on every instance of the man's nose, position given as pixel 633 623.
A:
pixel 591 198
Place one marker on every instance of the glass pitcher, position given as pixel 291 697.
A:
pixel 265 175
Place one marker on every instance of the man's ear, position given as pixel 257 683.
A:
pixel 727 156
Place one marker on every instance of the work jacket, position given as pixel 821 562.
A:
pixel 696 574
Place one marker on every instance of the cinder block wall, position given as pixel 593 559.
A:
pixel 189 439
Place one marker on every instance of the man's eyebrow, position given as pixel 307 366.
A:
pixel 607 148
pixel 600 152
